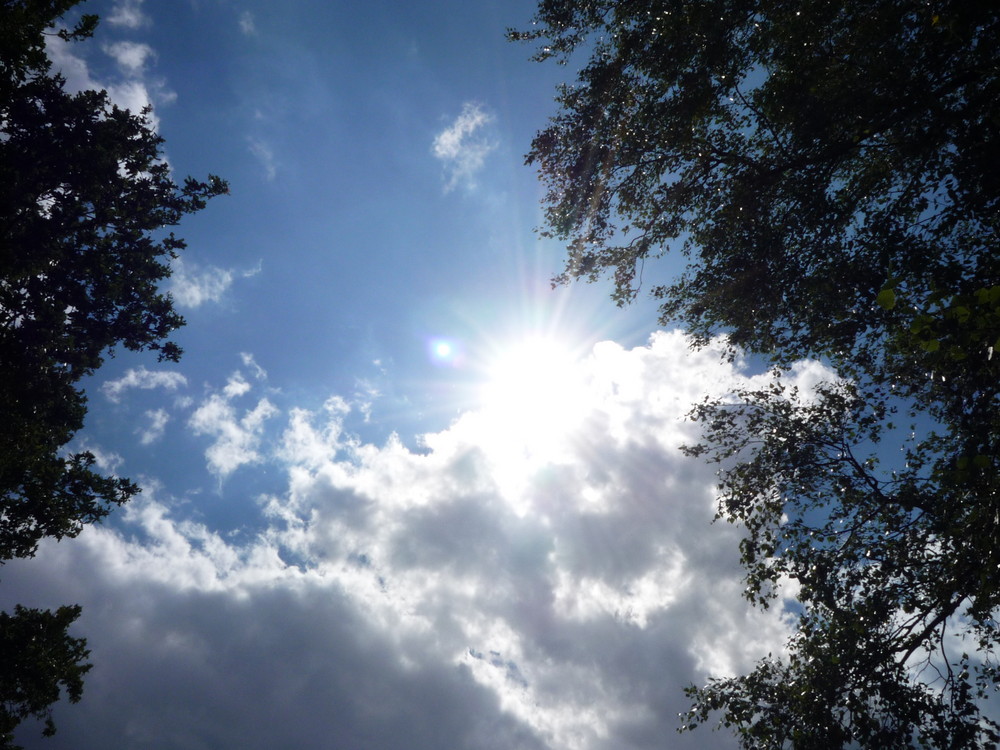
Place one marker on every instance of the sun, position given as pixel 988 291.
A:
pixel 534 392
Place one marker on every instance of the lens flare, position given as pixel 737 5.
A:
pixel 444 352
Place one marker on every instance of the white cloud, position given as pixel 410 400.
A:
pixel 460 147
pixel 134 96
pixel 158 419
pixel 416 598
pixel 140 377
pixel 192 286
pixel 134 92
pixel 247 25
pixel 265 155
pixel 236 386
pixel 236 438
pixel 130 56
pixel 71 67
pixel 106 461
pixel 249 362
pixel 128 14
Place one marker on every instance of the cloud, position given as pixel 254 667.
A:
pixel 414 597
pixel 74 69
pixel 135 91
pixel 249 362
pixel 128 14
pixel 192 286
pixel 158 419
pixel 247 25
pixel 134 96
pixel 140 377
pixel 236 438
pixel 458 146
pixel 107 461
pixel 265 155
pixel 130 56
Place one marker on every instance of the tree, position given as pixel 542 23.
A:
pixel 37 656
pixel 84 197
pixel 828 169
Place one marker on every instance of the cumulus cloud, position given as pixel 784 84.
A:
pixel 462 148
pixel 128 14
pixel 134 91
pixel 192 286
pixel 236 438
pixel 416 598
pixel 130 56
pixel 72 68
pixel 134 96
pixel 140 377
pixel 106 460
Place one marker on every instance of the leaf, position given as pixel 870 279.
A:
pixel 961 313
pixel 886 299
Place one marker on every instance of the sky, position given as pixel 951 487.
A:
pixel 398 493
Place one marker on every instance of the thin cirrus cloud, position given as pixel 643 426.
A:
pixel 390 585
pixel 462 147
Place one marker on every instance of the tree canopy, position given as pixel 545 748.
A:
pixel 85 195
pixel 829 171
pixel 38 658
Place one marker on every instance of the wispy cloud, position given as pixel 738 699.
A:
pixel 157 423
pixel 462 147
pixel 140 377
pixel 247 24
pixel 265 155
pixel 192 285
pixel 251 364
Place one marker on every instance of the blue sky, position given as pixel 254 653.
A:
pixel 398 492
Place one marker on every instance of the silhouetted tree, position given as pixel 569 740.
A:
pixel 83 193
pixel 830 172
pixel 38 658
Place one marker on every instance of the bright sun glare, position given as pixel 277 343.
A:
pixel 533 392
